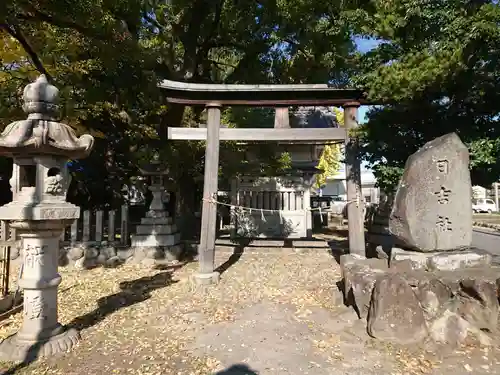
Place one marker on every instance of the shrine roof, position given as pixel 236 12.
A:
pixel 313 117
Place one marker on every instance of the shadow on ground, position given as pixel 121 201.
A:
pixel 239 369
pixel 132 292
pixel 235 256
pixel 339 247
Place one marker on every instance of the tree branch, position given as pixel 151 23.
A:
pixel 218 63
pixel 296 45
pixel 16 33
pixel 190 37
pixel 205 48
pixel 35 14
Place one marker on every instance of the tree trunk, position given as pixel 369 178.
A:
pixel 188 204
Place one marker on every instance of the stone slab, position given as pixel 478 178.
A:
pixel 417 259
pixel 457 260
pixel 44 211
pixel 442 261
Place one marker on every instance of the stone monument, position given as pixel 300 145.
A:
pixel 157 233
pixel 432 208
pixel 40 148
pixel 433 286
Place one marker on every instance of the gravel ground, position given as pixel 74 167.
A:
pixel 274 312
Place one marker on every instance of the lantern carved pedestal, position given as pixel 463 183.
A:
pixel 40 334
pixel 40 148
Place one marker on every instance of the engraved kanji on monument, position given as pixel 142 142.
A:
pixel 432 208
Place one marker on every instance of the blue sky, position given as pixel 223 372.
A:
pixel 363 46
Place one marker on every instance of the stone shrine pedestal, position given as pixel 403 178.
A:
pixel 157 232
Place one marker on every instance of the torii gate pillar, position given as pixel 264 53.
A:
pixel 206 251
pixel 355 209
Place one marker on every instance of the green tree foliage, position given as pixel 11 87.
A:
pixel 438 68
pixel 329 160
pixel 108 56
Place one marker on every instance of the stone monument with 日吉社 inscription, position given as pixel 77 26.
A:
pixel 40 147
pixel 432 207
pixel 434 287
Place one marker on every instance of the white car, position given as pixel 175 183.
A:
pixel 483 205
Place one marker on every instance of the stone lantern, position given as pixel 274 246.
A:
pixel 40 148
pixel 156 233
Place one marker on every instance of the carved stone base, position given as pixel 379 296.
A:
pixel 15 349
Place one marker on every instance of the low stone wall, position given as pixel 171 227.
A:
pixel 107 255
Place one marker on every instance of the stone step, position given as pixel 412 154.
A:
pixel 156 240
pixel 156 220
pixel 156 229
pixel 276 243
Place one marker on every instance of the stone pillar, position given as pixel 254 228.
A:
pixel 307 206
pixel 40 148
pixel 355 209
pixel 41 334
pixel 156 205
pixel 496 196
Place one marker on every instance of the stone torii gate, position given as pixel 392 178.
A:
pixel 214 96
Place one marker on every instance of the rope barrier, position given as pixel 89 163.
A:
pixel 262 210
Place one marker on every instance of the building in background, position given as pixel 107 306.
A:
pixel 479 192
pixel 491 192
pixel 336 185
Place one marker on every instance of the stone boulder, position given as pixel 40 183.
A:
pixel 452 329
pixel 395 313
pixel 478 303
pixel 434 296
pixel 359 276
pixel 407 302
pixel 432 208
